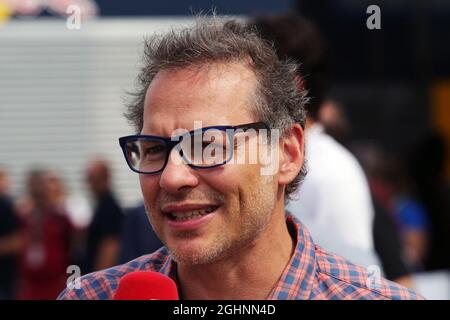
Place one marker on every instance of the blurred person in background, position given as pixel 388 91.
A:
pixel 47 235
pixel 426 166
pixel 70 207
pixel 334 201
pixel 395 192
pixel 76 207
pixel 56 189
pixel 387 241
pixel 10 240
pixel 411 218
pixel 333 118
pixel 138 236
pixel 103 234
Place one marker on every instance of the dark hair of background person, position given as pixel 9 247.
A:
pixel 295 37
pixel 103 234
pixel 277 100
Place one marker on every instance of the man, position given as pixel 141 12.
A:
pixel 47 237
pixel 103 234
pixel 224 225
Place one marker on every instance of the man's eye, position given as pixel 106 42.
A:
pixel 154 150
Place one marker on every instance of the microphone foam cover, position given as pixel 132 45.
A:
pixel 146 285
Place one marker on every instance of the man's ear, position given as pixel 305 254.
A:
pixel 292 154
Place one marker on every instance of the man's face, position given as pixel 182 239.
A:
pixel 96 177
pixel 240 198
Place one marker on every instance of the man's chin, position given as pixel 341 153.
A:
pixel 191 259
pixel 195 254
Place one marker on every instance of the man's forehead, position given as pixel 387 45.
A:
pixel 219 93
pixel 201 73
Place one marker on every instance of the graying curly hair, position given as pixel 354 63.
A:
pixel 277 100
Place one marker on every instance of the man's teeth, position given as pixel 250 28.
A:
pixel 186 215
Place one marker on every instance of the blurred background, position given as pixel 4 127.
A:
pixel 67 196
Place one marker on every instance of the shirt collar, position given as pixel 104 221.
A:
pixel 169 267
pixel 296 281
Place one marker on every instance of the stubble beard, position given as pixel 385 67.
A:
pixel 256 210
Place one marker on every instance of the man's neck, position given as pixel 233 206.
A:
pixel 249 274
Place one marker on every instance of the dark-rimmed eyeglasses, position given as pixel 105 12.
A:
pixel 202 148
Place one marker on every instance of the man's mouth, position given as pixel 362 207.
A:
pixel 192 214
pixel 189 216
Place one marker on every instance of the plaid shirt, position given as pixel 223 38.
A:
pixel 312 273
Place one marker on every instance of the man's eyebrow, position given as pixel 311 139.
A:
pixel 221 126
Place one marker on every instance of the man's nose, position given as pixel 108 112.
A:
pixel 177 174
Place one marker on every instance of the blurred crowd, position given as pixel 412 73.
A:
pixel 359 199
pixel 409 191
pixel 40 236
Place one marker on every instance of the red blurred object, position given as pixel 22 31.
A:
pixel 146 285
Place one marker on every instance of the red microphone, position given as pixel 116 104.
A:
pixel 146 285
